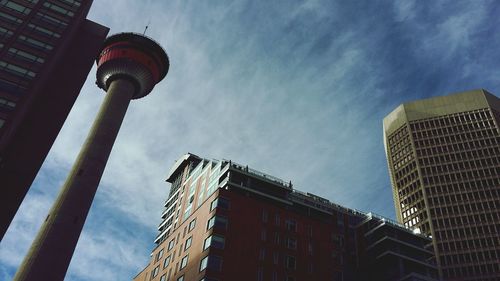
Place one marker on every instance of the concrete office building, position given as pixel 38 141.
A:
pixel 225 221
pixel 47 48
pixel 444 161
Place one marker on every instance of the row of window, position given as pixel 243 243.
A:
pixel 214 240
pixel 463 271
pixel 482 196
pixel 468 257
pixel 451 120
pixel 461 166
pixel 477 128
pixel 481 137
pixel 469 208
pixel 459 154
pixel 406 169
pixel 468 225
pixel 15 7
pixel 59 9
pixel 399 135
pixel 8 104
pixel 16 70
pixel 484 176
pixel 407 189
pixel 290 224
pixel 465 186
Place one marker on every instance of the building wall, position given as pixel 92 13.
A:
pixel 46 53
pixel 444 158
pixel 261 229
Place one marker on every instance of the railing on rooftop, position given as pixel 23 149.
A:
pixel 395 224
pixel 261 174
pixel 311 199
pixel 323 203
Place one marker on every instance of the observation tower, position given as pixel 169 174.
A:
pixel 129 66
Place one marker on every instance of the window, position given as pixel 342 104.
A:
pixel 19 54
pixel 166 262
pixel 58 9
pixel 277 219
pixel 17 70
pixel 16 7
pixel 263 235
pixel 223 203
pixel 215 241
pixel 44 31
pixel 337 275
pixel 189 241
pixel 171 244
pixel 159 255
pixel 163 277
pixel 265 216
pixel 184 262
pixel 215 263
pixel 309 231
pixel 212 262
pixel 291 243
pixel 291 225
pixel 203 263
pixel 218 222
pixel 7 103
pixel 211 222
pixel 310 248
pixel 181 278
pixel 213 205
pixel 192 224
pixel 262 254
pixel 290 262
pixel 276 257
pixel 155 272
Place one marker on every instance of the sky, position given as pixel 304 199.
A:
pixel 296 89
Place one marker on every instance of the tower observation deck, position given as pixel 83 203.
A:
pixel 129 66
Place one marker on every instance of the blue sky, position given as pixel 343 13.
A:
pixel 296 89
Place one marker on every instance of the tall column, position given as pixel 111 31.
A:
pixel 129 66
pixel 51 252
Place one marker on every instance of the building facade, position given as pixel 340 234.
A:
pixel 225 221
pixel 444 160
pixel 47 48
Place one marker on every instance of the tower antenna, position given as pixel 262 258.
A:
pixel 146 28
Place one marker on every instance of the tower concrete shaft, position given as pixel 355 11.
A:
pixel 51 252
pixel 129 66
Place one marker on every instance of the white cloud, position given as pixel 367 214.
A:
pixel 298 93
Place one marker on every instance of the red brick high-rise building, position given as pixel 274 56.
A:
pixel 225 221
pixel 47 48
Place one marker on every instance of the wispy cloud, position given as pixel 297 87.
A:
pixel 297 90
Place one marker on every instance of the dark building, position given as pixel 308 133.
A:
pixel 47 48
pixel 444 158
pixel 225 221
